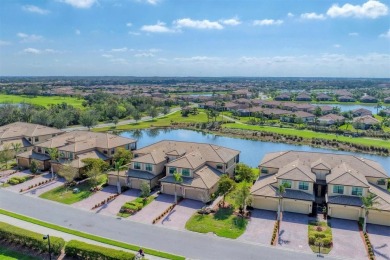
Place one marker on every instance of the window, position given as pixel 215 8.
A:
pixel 149 167
pixel 70 155
pixel 338 189
pixel 127 146
pixel 135 155
pixel 172 170
pixel 105 151
pixel 264 170
pixel 303 185
pixel 137 166
pixel 112 151
pixel 219 166
pixel 185 172
pixel 39 149
pixel 381 182
pixel 357 191
pixel 36 139
pixel 287 183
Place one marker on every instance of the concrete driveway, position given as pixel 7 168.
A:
pixel 112 208
pixel 347 242
pixel 260 227
pixel 45 187
pixel 24 185
pixel 18 174
pixel 293 232
pixel 96 198
pixel 380 240
pixel 154 209
pixel 178 217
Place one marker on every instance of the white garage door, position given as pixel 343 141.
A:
pixel 265 203
pixel 379 218
pixel 170 189
pixel 193 194
pixel 345 213
pixel 296 206
pixel 135 183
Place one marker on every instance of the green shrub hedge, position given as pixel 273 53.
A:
pixel 81 250
pixel 17 180
pixel 30 239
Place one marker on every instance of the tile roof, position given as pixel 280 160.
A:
pixel 22 141
pixel 33 155
pixel 382 199
pixel 77 163
pixel 153 157
pixel 344 174
pixel 345 200
pixel 331 117
pixel 296 170
pixel 191 160
pixel 369 120
pixel 21 129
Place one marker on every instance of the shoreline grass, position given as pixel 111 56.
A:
pixel 91 237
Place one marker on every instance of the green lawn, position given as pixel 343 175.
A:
pixel 223 223
pixel 164 121
pixel 66 196
pixel 137 204
pixel 41 100
pixel 311 134
pixel 8 254
pixel 324 235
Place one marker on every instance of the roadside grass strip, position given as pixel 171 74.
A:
pixel 91 237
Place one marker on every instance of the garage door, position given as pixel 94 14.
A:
pixel 296 206
pixel 195 194
pixel 345 213
pixel 379 218
pixel 265 203
pixel 170 189
pixel 135 183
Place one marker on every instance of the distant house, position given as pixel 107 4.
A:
pixel 331 119
pixel 343 92
pixel 368 99
pixel 283 97
pixel 365 122
pixel 387 100
pixel 306 117
pixel 346 99
pixel 303 97
pixel 241 93
pixel 324 97
pixel 361 112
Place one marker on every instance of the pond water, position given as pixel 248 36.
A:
pixel 201 95
pixel 251 151
pixel 346 107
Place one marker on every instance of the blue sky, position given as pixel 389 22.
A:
pixel 302 38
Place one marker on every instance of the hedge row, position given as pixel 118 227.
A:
pixel 81 250
pixel 371 254
pixel 30 239
pixel 275 232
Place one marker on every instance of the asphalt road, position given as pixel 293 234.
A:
pixel 189 244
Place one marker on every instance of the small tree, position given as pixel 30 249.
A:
pixel 6 155
pixel 68 173
pixel 244 173
pixel 34 167
pixel 88 119
pixel 178 179
pixel 118 166
pixel 17 147
pixel 242 197
pixel 225 186
pixel 136 115
pixel 115 120
pixel 281 192
pixel 153 112
pixel 145 189
pixel 93 173
pixel 53 154
pixel 368 203
pixel 165 110
pixel 123 154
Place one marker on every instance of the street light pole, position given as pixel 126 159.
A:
pixel 48 240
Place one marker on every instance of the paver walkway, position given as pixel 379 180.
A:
pixel 65 236
pixel 112 208
pixel 45 187
pixel 380 240
pixel 96 198
pixel 179 216
pixel 293 232
pixel 154 209
pixel 347 242
pixel 26 184
pixel 260 227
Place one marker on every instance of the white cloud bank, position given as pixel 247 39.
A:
pixel 313 16
pixel 159 27
pixel 385 35
pixel 232 21
pixel 198 24
pixel 371 9
pixel 29 37
pixel 39 51
pixel 82 4
pixel 34 9
pixel 267 22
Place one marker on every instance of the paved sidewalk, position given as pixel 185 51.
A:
pixel 112 208
pixel 65 236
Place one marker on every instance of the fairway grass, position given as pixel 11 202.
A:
pixel 41 100
pixel 311 134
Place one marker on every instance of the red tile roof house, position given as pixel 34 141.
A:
pixel 303 97
pixel 331 119
pixel 361 112
pixel 336 180
pixel 324 97
pixel 368 99
pixel 346 99
pixel 306 117
pixel 365 122
pixel 283 97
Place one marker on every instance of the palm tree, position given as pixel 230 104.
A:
pixel 53 154
pixel 368 203
pixel 378 106
pixel 281 192
pixel 118 166
pixel 178 179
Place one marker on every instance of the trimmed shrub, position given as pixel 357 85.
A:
pixel 312 240
pixel 81 250
pixel 327 242
pixel 30 239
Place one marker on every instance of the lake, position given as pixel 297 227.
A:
pixel 251 151
pixel 346 107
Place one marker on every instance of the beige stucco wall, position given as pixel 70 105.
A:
pixel 295 186
pixel 270 170
pixel 320 174
pixel 23 162
pixel 297 206
pixel 156 168
pixel 347 209
pixel 375 181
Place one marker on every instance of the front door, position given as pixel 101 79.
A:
pixel 319 188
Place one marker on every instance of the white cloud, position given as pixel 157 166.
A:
pixel 290 15
pixel 267 22
pixel 371 9
pixel 233 21
pixel 32 51
pixel 119 49
pixel 134 33
pixel 29 37
pixel 4 43
pixel 80 3
pixel 77 32
pixel 151 2
pixel 198 24
pixel 107 56
pixel 38 51
pixel 385 35
pixel 34 9
pixel 198 59
pixel 129 24
pixel 336 46
pixel 313 16
pixel 144 54
pixel 353 34
pixel 159 27
pixel 120 61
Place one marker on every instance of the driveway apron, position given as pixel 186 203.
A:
pixel 380 240
pixel 178 217
pixel 293 232
pixel 112 208
pixel 154 209
pixel 260 227
pixel 96 198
